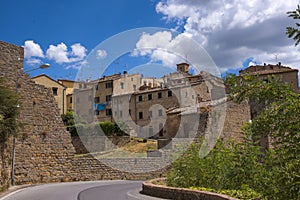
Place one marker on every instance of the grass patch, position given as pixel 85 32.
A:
pixel 160 182
pixel 136 147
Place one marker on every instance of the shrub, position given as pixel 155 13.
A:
pixel 234 167
pixel 107 127
pixel 245 193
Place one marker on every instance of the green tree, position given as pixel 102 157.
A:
pixel 72 122
pixel 293 32
pixel 279 121
pixel 9 109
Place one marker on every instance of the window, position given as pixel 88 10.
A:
pixel 54 90
pixel 122 86
pixel 170 93
pixel 160 113
pixel 97 99
pixel 121 113
pixel 129 112
pixel 161 130
pixel 140 98
pixel 150 114
pixel 140 115
pixel 71 99
pixel 108 112
pixel 159 95
pixel 108 85
pixel 149 96
pixel 134 87
pixel 108 98
pixel 150 131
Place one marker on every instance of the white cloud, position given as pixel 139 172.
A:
pixel 148 42
pixel 77 65
pixel 32 49
pixel 60 53
pixel 233 30
pixel 33 61
pixel 101 54
pixel 157 46
pixel 78 51
pixel 171 50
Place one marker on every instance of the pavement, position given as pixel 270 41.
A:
pixel 87 190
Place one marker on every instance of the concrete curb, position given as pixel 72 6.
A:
pixel 166 192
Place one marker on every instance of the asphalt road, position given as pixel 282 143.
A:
pixel 91 190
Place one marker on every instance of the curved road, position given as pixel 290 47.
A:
pixel 91 190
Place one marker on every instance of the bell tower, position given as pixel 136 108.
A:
pixel 183 67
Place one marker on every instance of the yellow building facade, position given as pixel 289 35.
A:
pixel 58 90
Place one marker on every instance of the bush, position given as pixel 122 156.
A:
pixel 108 128
pixel 245 193
pixel 226 167
pixel 231 167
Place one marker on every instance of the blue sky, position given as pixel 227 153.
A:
pixel 64 33
pixel 71 22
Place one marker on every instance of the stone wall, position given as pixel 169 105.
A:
pixel 87 168
pixel 236 116
pixel 43 148
pixel 165 192
pixel 5 164
pixel 11 62
pixel 96 144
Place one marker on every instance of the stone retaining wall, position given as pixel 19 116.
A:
pixel 97 143
pixel 87 168
pixel 180 193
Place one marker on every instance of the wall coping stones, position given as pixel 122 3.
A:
pixel 161 191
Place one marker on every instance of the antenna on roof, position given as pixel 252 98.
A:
pixel 186 58
pixel 276 57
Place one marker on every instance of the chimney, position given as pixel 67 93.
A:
pixel 125 73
